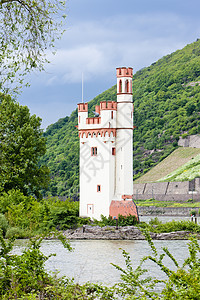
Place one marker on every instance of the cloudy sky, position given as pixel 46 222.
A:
pixel 100 36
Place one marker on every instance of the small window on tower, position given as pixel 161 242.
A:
pixel 113 151
pixel 98 188
pixel 94 151
pixel 127 86
pixel 111 114
pixel 120 86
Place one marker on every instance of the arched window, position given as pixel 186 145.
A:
pixel 127 86
pixel 120 86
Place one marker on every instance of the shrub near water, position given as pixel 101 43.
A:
pixel 26 216
pixel 129 220
pixel 159 227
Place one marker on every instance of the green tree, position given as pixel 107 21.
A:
pixel 21 146
pixel 27 29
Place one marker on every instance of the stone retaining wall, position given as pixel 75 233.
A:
pixel 168 191
pixel 165 211
pixel 190 141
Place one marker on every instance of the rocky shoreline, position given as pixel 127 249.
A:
pixel 88 232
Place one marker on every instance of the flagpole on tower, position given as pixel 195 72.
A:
pixel 82 87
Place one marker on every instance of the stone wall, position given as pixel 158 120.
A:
pixel 165 211
pixel 190 141
pixel 168 191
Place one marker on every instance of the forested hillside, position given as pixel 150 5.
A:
pixel 166 98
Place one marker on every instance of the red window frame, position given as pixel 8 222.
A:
pixel 98 188
pixel 113 151
pixel 94 151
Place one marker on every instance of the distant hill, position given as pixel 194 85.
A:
pixel 167 104
pixel 176 163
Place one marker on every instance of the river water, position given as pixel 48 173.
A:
pixel 91 259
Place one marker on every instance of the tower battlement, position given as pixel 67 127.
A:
pixel 109 105
pixel 105 118
pixel 124 72
pixel 83 107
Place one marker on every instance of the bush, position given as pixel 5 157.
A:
pixel 3 224
pixel 184 135
pixel 155 221
pixel 30 215
pixel 177 226
pixel 13 197
pixel 190 200
pixel 193 212
pixel 129 220
pixel 16 232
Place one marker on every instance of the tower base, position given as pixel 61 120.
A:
pixel 124 208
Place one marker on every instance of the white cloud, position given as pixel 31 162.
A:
pixel 95 48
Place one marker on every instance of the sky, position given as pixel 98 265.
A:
pixel 100 36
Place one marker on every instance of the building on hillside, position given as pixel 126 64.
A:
pixel 106 154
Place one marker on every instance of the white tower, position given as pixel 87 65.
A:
pixel 124 136
pixel 106 154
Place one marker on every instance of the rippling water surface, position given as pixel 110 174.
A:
pixel 91 260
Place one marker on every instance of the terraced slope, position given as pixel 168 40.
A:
pixel 174 161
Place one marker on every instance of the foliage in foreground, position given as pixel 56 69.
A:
pixel 183 283
pixel 24 276
pixel 28 29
